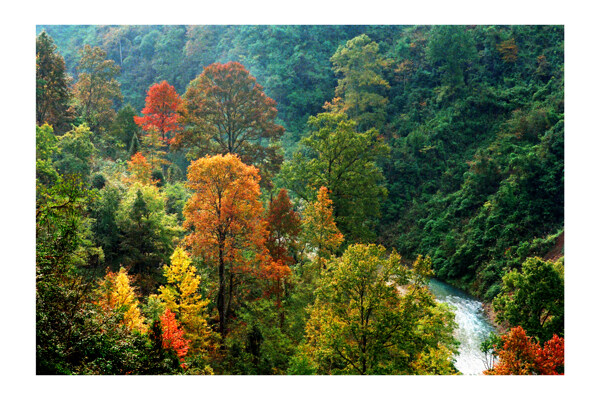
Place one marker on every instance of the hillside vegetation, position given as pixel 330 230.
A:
pixel 236 199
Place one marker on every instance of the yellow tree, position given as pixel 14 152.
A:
pixel 319 230
pixel 224 216
pixel 117 295
pixel 181 296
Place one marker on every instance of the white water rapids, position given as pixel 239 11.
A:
pixel 473 326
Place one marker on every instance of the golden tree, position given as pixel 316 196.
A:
pixel 319 230
pixel 181 296
pixel 117 295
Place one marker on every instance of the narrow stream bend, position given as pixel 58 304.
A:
pixel 473 326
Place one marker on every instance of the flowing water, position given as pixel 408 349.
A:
pixel 473 326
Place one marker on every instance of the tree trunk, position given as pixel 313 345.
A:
pixel 221 294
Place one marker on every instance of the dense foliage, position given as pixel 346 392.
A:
pixel 215 199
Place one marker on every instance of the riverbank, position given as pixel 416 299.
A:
pixel 488 309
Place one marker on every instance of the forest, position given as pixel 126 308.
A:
pixel 274 200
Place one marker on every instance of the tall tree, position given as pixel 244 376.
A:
pixel 161 111
pixel 284 227
pixel 361 324
pixel 226 111
pixel 343 160
pixel 52 95
pixel 361 89
pixel 97 88
pixel 224 216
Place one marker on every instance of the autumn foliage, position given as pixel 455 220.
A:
pixel 522 355
pixel 509 50
pixel 227 111
pixel 161 111
pixel 319 228
pixel 181 295
pixel 224 217
pixel 172 335
pixel 140 169
pixel 284 227
pixel 116 294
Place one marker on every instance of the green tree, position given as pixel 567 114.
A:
pixel 103 210
pixel 147 231
pixel 45 150
pixel 452 48
pixel 76 152
pixel 124 128
pixel 257 344
pixel 533 298
pixel 97 88
pixel 343 160
pixel 361 90
pixel 52 95
pixel 361 324
pixel 73 334
pixel 176 196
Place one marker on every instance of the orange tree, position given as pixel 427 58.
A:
pixel 523 355
pixel 224 217
pixel 284 226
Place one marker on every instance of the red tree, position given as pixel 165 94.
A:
pixel 172 335
pixel 521 355
pixel 161 111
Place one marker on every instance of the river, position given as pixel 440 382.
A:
pixel 473 326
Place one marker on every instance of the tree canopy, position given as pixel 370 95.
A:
pixel 227 111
